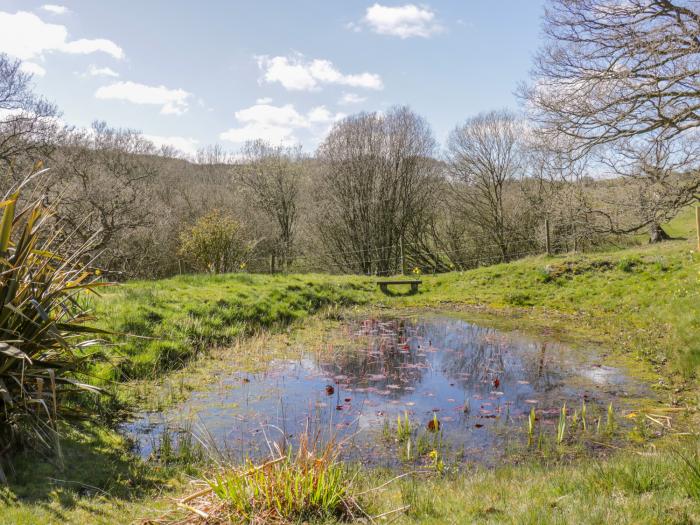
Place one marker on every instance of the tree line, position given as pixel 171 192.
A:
pixel 604 147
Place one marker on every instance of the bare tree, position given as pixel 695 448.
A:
pixel 273 174
pixel 28 126
pixel 377 175
pixel 658 176
pixel 614 70
pixel 558 187
pixel 485 156
pixel 100 184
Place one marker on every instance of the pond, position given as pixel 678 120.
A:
pixel 474 384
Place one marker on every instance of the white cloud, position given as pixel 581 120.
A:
pixel 85 46
pixel 278 124
pixel 94 71
pixel 171 101
pixel 404 21
pixel 320 115
pixel 298 74
pixel 264 100
pixel 24 35
pixel 186 145
pixel 32 68
pixel 351 98
pixel 55 9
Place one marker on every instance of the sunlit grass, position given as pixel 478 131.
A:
pixel 308 483
pixel 640 302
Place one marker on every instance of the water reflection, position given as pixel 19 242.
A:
pixel 480 382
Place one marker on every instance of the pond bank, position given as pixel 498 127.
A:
pixel 636 303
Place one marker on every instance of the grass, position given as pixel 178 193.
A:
pixel 627 488
pixel 641 300
pixel 304 484
pixel 639 303
pixel 170 322
pixel 98 482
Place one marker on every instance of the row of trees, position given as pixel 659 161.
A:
pixel 606 146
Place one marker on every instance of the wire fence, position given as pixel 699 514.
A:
pixel 405 257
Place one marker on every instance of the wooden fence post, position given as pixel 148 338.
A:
pixel 403 259
pixel 547 239
pixel 697 224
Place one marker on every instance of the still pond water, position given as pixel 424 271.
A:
pixel 478 382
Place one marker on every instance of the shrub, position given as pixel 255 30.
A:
pixel 40 326
pixel 215 244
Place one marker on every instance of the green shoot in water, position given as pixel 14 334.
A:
pixel 561 426
pixel 531 426
pixel 610 423
pixel 403 428
pixel 583 415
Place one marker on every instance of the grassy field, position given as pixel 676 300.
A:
pixel 163 324
pixel 640 303
pixel 640 300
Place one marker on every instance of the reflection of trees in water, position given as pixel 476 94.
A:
pixel 538 370
pixel 474 357
pixel 399 352
pixel 390 355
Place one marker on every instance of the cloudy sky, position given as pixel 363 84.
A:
pixel 191 73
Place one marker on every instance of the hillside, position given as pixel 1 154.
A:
pixel 641 299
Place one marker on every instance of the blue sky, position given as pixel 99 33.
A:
pixel 195 73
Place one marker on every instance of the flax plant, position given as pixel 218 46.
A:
pixel 41 326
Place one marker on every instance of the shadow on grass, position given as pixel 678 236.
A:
pixel 394 293
pixel 96 462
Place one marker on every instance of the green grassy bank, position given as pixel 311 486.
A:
pixel 640 302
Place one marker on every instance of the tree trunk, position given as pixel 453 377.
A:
pixel 657 233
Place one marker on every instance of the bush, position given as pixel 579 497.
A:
pixel 215 244
pixel 40 324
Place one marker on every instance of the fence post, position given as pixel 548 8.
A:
pixel 697 224
pixel 272 263
pixel 403 259
pixel 547 239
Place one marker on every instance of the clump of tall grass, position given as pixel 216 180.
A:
pixel 305 483
pixel 180 447
pixel 41 328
